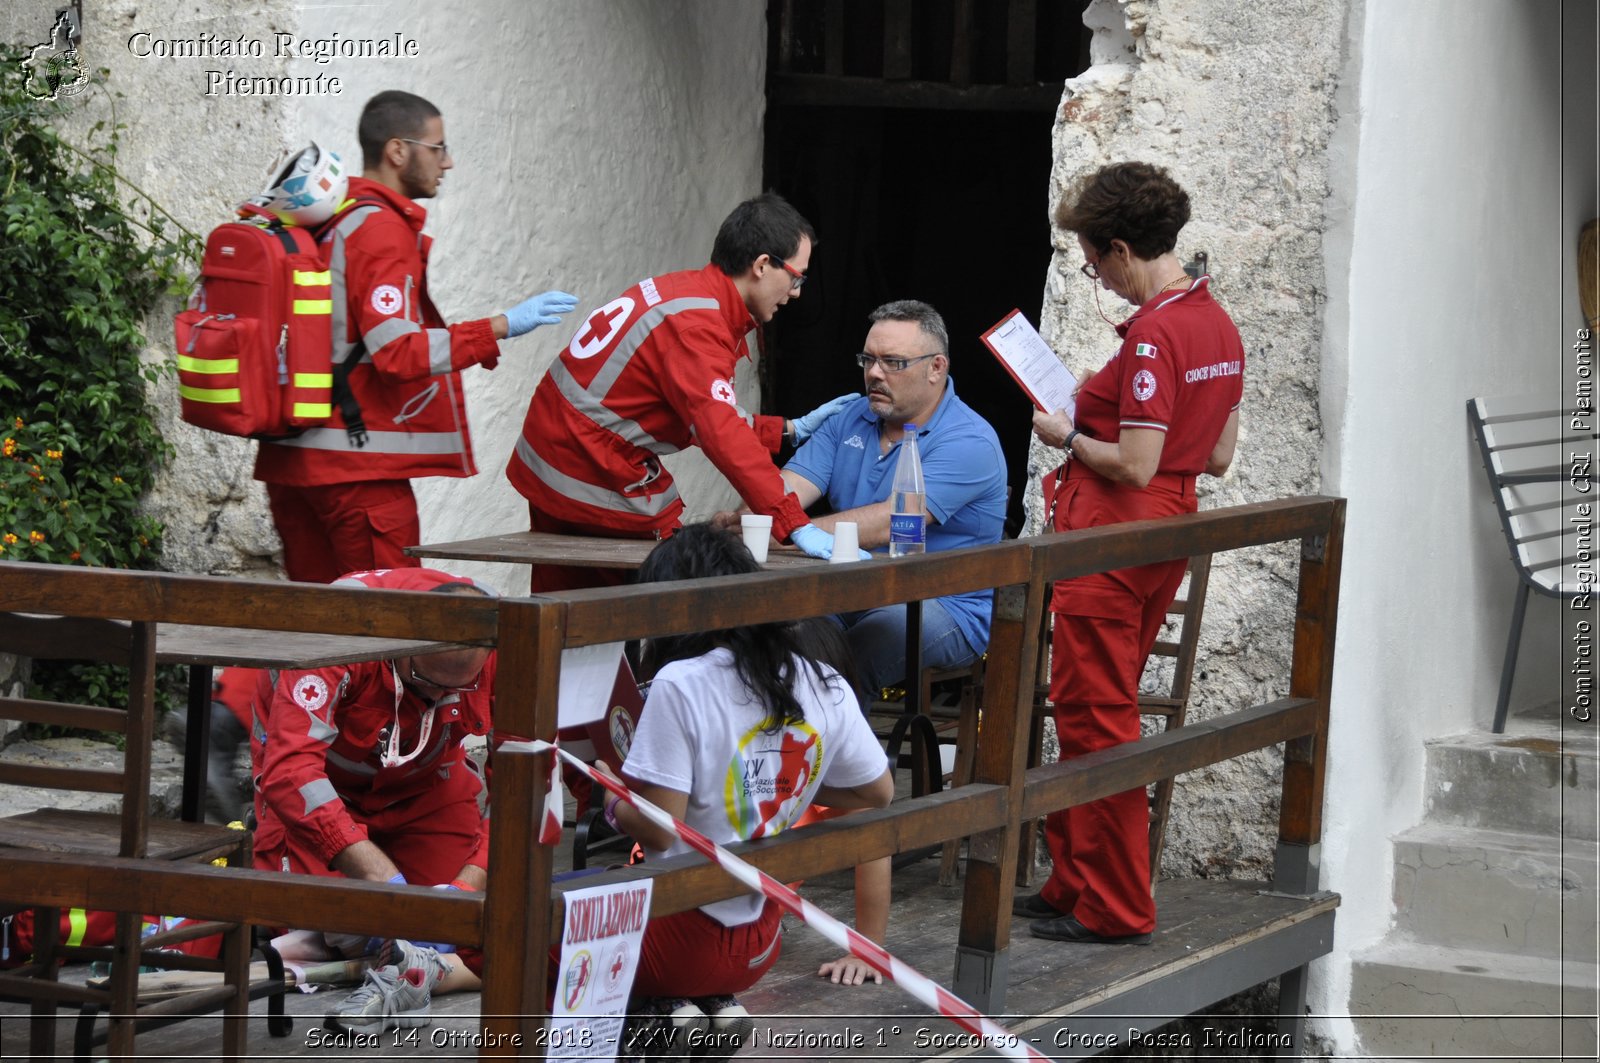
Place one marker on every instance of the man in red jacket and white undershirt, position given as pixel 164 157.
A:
pixel 341 493
pixel 651 373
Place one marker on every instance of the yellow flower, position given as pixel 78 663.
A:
pixel 116 479
pixel 2 548
pixel 37 537
pixel 19 422
pixel 10 538
pixel 55 455
pixel 10 447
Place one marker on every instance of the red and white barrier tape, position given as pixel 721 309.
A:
pixel 903 975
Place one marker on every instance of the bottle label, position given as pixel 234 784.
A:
pixel 907 528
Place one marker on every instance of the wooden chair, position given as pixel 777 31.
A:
pixel 1526 446
pixel 1170 709
pixel 129 832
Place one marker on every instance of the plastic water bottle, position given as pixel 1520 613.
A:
pixel 908 523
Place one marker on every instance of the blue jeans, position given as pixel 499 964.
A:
pixel 877 639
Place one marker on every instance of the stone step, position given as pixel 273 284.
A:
pixel 1497 891
pixel 1542 780
pixel 1415 1001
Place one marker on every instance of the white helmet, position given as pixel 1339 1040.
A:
pixel 308 189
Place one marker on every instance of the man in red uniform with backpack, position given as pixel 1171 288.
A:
pixel 340 493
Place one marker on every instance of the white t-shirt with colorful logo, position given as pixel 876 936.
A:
pixel 700 734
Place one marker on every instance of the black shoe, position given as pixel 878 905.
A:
pixel 1034 906
pixel 1067 928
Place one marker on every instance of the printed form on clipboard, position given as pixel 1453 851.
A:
pixel 1032 364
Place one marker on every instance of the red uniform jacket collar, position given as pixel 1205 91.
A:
pixel 734 312
pixel 1199 290
pixel 414 214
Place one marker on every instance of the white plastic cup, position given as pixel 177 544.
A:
pixel 844 543
pixel 757 530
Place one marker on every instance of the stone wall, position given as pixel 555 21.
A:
pixel 1236 99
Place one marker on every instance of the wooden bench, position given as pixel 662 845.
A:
pixel 1538 456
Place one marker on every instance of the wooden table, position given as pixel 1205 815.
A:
pixel 594 551
pixel 205 648
pixel 579 551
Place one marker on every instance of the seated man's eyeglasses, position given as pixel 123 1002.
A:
pixel 418 677
pixel 890 365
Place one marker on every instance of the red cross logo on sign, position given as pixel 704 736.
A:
pixel 386 299
pixel 602 325
pixel 722 391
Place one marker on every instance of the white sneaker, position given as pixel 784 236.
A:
pixel 388 999
pixel 406 956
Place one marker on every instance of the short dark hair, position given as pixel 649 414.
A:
pixel 388 115
pixel 1135 202
pixel 919 313
pixel 765 225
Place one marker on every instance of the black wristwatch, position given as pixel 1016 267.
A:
pixel 1066 444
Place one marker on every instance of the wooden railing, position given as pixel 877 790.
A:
pixel 531 634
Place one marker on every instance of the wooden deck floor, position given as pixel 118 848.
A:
pixel 1064 999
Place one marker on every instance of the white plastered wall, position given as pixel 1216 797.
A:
pixel 603 144
pixel 596 141
pixel 1445 255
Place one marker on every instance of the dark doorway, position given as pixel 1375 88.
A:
pixel 916 138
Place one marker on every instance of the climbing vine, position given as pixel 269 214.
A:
pixel 81 271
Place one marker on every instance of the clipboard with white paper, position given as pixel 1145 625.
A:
pixel 1032 364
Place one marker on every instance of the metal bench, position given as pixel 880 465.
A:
pixel 1536 453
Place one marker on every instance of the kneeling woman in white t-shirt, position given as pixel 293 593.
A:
pixel 740 733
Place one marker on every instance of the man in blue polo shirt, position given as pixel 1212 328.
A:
pixel 851 459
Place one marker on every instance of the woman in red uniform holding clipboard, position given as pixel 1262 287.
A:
pixel 1164 409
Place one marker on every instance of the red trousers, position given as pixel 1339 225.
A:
pixel 1104 627
pixel 338 528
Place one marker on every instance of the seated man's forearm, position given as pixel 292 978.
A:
pixel 872 524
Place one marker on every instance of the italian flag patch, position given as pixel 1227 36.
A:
pixel 1145 350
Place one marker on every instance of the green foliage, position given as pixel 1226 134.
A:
pixel 80 272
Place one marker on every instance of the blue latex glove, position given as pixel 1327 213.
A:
pixel 818 543
pixel 545 308
pixel 805 426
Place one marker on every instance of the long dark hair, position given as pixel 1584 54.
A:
pixel 766 657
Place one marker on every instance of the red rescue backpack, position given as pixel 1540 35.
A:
pixel 255 347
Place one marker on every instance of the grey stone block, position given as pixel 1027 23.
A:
pixel 1496 891
pixel 1411 1000
pixel 1540 783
